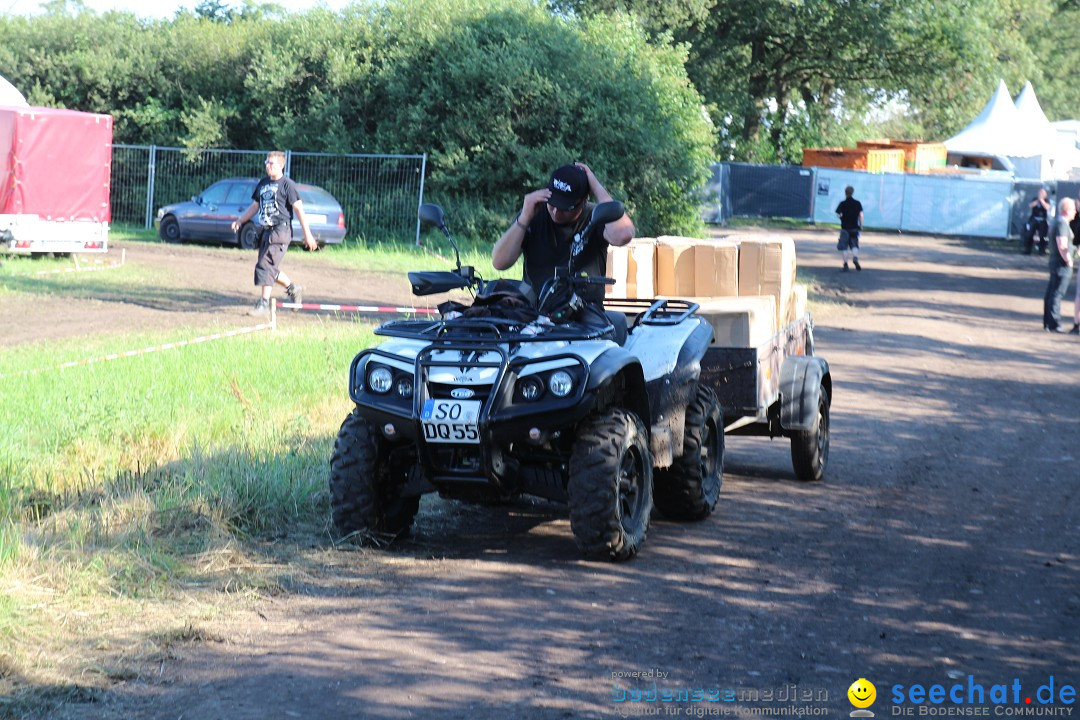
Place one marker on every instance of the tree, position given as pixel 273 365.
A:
pixel 789 72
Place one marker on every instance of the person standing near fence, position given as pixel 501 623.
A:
pixel 275 200
pixel 1037 223
pixel 851 219
pixel 1061 266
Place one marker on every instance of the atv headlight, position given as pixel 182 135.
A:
pixel 380 380
pixel 561 383
pixel 531 388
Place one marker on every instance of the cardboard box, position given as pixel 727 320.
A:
pixel 798 302
pixel 740 321
pixel 643 267
pixel 716 268
pixel 633 267
pixel 767 267
pixel 675 266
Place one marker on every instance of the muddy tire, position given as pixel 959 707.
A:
pixel 365 497
pixel 610 487
pixel 810 448
pixel 169 229
pixel 689 488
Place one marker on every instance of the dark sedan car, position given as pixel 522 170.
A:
pixel 209 215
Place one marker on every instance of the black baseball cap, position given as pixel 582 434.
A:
pixel 569 185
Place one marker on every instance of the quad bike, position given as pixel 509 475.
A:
pixel 502 399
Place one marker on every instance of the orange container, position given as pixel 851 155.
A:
pixel 919 157
pixel 875 160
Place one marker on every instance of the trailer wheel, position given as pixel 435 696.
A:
pixel 611 485
pixel 365 498
pixel 810 448
pixel 689 488
pixel 169 229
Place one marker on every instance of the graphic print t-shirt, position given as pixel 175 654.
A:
pixel 276 199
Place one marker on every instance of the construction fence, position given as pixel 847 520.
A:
pixel 989 206
pixel 379 194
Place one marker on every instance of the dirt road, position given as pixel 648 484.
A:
pixel 942 549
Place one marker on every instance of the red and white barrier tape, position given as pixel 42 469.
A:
pixel 79 268
pixel 358 308
pixel 272 325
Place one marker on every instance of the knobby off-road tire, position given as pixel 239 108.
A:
pixel 365 498
pixel 611 486
pixel 169 229
pixel 689 488
pixel 810 448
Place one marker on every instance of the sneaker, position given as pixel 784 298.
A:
pixel 295 293
pixel 845 268
pixel 857 265
pixel 262 307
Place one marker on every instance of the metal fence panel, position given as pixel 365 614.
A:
pixel 881 195
pixel 957 205
pixel 129 183
pixel 379 194
pixel 771 190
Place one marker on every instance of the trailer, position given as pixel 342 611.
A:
pixel 777 389
pixel 55 168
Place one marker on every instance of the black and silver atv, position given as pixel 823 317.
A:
pixel 498 399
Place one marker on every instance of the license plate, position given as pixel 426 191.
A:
pixel 316 219
pixel 451 421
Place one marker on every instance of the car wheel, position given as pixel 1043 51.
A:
pixel 249 236
pixel 611 485
pixel 169 230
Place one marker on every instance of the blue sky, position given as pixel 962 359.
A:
pixel 155 8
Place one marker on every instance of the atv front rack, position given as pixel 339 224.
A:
pixel 490 329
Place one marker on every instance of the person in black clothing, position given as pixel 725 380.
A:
pixel 543 231
pixel 851 219
pixel 275 200
pixel 1061 267
pixel 1037 223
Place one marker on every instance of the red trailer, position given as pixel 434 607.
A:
pixel 55 167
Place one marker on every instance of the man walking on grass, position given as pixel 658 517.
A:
pixel 274 201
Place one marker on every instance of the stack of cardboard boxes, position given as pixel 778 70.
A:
pixel 745 284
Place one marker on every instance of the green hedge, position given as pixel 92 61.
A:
pixel 497 92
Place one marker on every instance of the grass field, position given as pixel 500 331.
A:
pixel 130 487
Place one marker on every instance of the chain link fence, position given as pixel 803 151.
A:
pixel 380 194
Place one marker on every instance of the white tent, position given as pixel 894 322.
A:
pixel 1014 136
pixel 10 96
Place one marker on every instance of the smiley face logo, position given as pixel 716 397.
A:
pixel 862 693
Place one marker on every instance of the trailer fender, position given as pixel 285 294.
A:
pixel 801 381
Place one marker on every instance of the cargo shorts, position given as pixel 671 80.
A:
pixel 273 242
pixel 849 240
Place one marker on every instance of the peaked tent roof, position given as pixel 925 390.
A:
pixel 1030 111
pixel 997 130
pixel 10 95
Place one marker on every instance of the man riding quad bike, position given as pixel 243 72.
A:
pixel 503 398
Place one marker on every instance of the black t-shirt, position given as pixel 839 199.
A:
pixel 848 210
pixel 547 245
pixel 276 199
pixel 1038 212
